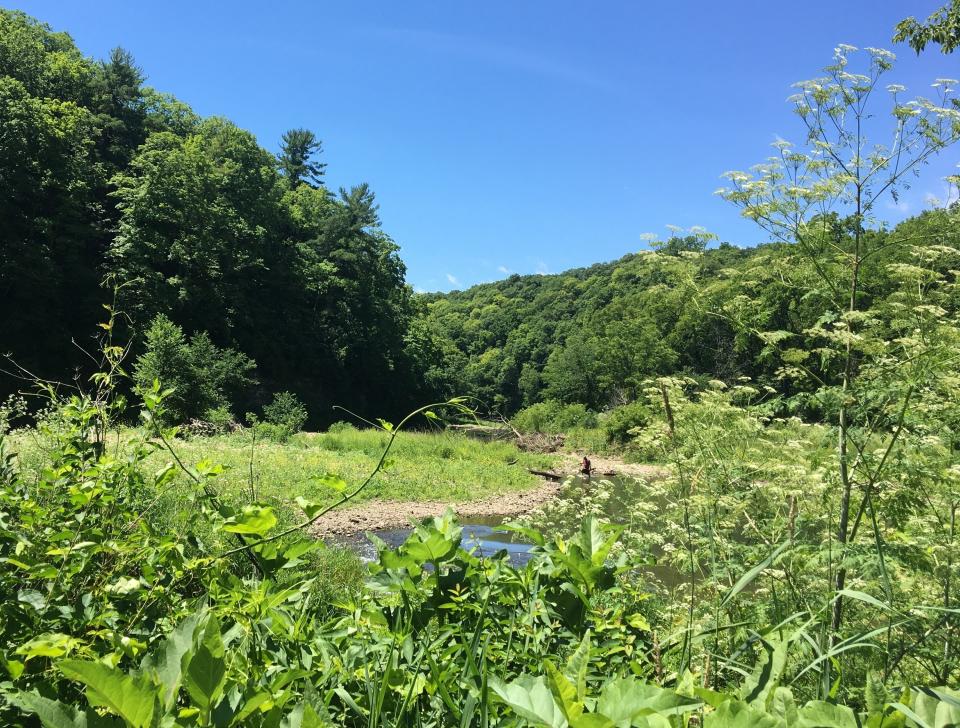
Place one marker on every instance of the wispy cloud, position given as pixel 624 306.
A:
pixel 901 206
pixel 542 268
pixel 452 279
pixel 503 269
pixel 947 197
pixel 493 54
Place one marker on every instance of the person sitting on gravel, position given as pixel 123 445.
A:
pixel 585 466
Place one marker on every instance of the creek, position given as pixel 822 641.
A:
pixel 479 536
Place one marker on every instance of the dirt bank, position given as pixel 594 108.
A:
pixel 379 515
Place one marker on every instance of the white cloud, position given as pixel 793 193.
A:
pixel 542 269
pixel 503 269
pixel 452 278
pixel 947 197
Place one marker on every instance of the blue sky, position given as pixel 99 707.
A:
pixel 513 137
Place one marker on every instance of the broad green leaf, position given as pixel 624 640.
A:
pixel 756 689
pixel 819 714
pixel 253 520
pixel 132 698
pixel 206 672
pixel 595 720
pixel 626 698
pixel 32 597
pixel 52 714
pixel 939 707
pixel 736 714
pixel 169 660
pixel 597 539
pixel 252 704
pixel 783 705
pixel 530 698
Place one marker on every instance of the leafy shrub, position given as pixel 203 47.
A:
pixel 221 418
pixel 554 418
pixel 201 375
pixel 273 432
pixel 286 411
pixel 341 426
pixel 620 421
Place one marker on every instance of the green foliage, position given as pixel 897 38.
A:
pixel 553 417
pixel 286 411
pixel 221 418
pixel 621 423
pixel 203 377
pixel 941 28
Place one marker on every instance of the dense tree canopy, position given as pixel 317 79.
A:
pixel 194 221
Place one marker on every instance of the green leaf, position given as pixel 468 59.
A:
pixel 595 541
pixel 167 665
pixel 32 597
pixel 819 714
pixel 577 666
pixel 757 688
pixel 736 714
pixel 748 578
pixel 132 698
pixel 624 699
pixel 783 705
pixel 329 480
pixel 254 520
pixel 48 645
pixel 595 720
pixel 564 692
pixel 530 698
pixel 52 714
pixel 309 507
pixel 206 672
pixel 864 597
pixel 939 707
pixel 252 704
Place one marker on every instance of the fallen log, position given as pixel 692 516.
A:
pixel 547 474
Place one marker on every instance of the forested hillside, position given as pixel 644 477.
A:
pixel 592 336
pixel 107 184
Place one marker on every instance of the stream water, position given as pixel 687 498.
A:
pixel 479 536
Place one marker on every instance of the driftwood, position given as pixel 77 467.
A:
pixel 534 442
pixel 547 474
pixel 484 432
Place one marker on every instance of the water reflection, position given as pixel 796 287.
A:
pixel 478 537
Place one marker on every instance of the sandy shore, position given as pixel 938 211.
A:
pixel 377 515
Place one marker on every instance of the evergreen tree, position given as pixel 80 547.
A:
pixel 296 159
